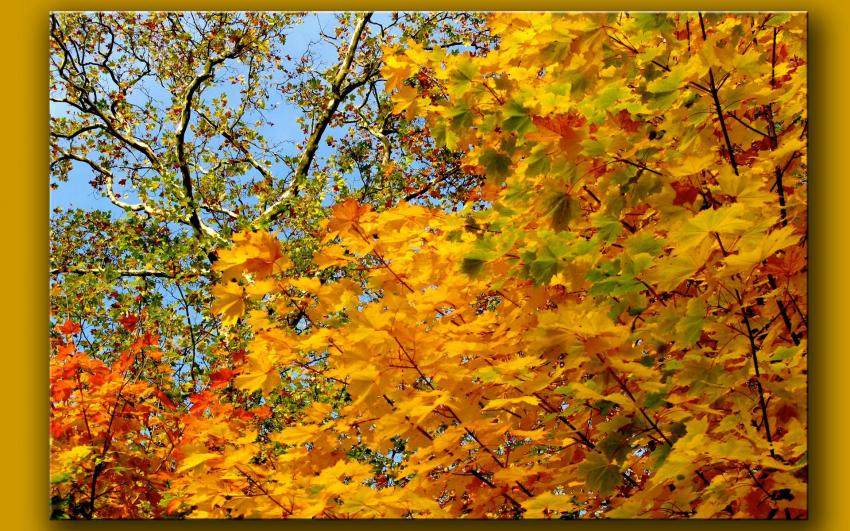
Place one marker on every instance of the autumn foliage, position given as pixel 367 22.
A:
pixel 612 325
pixel 112 431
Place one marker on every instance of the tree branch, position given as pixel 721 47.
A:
pixel 432 184
pixel 338 94
pixel 382 138
pixel 664 67
pixel 81 130
pixel 713 91
pixel 754 353
pixel 200 227
pixel 748 126
pixel 110 193
pixel 582 437
pixel 129 272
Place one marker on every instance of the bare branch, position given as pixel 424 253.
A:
pixel 85 104
pixel 135 143
pixel 748 126
pixel 220 210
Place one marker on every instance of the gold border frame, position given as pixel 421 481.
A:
pixel 24 206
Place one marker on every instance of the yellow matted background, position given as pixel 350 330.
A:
pixel 24 500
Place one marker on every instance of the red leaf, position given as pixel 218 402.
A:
pixel 686 193
pixel 129 322
pixel 563 124
pixel 61 390
pixel 173 505
pixel 221 378
pixel 163 398
pixel 570 127
pixel 124 361
pixel 624 120
pixel 69 327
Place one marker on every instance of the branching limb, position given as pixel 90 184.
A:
pixel 228 135
pixel 339 91
pixel 110 193
pixel 379 134
pixel 432 184
pixel 74 134
pixel 754 354
pixel 200 227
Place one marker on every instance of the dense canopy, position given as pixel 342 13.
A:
pixel 429 265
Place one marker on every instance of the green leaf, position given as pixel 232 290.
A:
pixel 539 162
pixel 598 107
pixel 562 208
pixel 647 184
pixel 465 72
pixel 654 400
pixel 659 456
pixel 60 477
pixel 608 227
pixel 665 84
pixel 599 474
pixel 461 115
pixel 516 118
pixel 783 353
pixel 637 263
pixel 615 447
pixel 594 148
pixel 484 251
pixel 543 269
pixel 615 286
pixel 644 243
pixel 689 327
pixel 673 365
pixel 444 135
pixel 472 266
pixel 653 21
pixel 497 164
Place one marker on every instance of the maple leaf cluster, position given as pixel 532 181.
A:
pixel 613 325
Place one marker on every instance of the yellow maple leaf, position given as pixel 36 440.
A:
pixel 192 460
pixel 296 435
pixel 397 68
pixel 767 246
pixel 330 256
pixel 259 373
pixel 545 504
pixel 511 402
pixel 406 101
pixel 730 219
pixel 229 302
pixel 255 252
